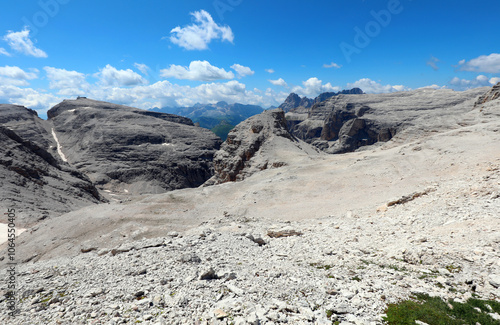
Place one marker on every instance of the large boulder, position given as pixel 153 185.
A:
pixel 125 149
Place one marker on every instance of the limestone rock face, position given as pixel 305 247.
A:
pixel 492 94
pixel 345 123
pixel 126 149
pixel 36 184
pixel 26 124
pixel 238 157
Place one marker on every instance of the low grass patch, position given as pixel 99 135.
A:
pixel 320 266
pixel 435 311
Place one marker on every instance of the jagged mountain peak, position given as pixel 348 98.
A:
pixel 294 101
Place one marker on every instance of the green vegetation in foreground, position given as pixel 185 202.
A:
pixel 434 311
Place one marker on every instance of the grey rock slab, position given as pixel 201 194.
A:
pixel 35 180
pixel 123 148
pixel 346 123
pixel 494 280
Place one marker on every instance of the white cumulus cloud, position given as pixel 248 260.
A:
pixel 127 88
pixel 313 87
pixel 494 80
pixel 198 35
pixel 28 97
pixel 484 63
pixel 372 87
pixel 21 42
pixel 197 70
pixel 18 73
pixel 69 83
pixel 464 84
pixel 15 76
pixel 242 70
pixel 110 76
pixel 279 82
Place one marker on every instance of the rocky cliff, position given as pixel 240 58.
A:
pixel 34 181
pixel 124 149
pixel 57 166
pixel 26 123
pixel 253 145
pixel 492 94
pixel 345 123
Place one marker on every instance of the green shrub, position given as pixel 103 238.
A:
pixel 435 311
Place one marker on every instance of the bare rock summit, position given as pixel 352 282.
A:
pixel 35 182
pixel 254 145
pixel 125 149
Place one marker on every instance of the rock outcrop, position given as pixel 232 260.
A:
pixel 345 123
pixel 125 149
pixel 26 123
pixel 34 182
pixel 492 94
pixel 239 155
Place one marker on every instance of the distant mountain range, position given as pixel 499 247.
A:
pixel 295 101
pixel 220 117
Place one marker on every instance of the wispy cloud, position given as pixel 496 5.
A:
pixel 270 71
pixel 242 70
pixel 198 35
pixel 332 65
pixel 144 69
pixel 432 62
pixel 4 52
pixel 484 63
pixel 197 70
pixel 20 42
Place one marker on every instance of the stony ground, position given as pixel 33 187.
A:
pixel 236 270
pixel 318 240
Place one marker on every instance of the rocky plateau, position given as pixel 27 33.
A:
pixel 279 231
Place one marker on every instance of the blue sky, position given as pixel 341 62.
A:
pixel 177 53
